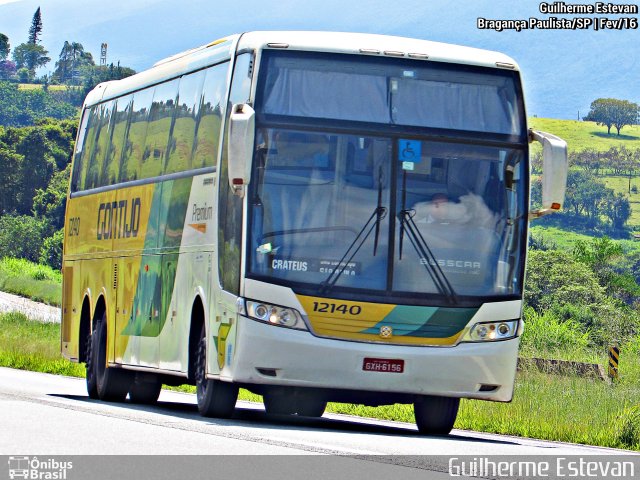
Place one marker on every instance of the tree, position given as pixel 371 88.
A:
pixel 7 69
pixel 586 195
pixel 30 56
pixel 4 47
pixel 611 112
pixel 72 59
pixel 37 168
pixel 20 237
pixel 10 165
pixel 36 28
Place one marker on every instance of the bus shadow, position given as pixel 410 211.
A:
pixel 257 417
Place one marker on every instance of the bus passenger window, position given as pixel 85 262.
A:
pixel 121 114
pixel 157 139
pixel 97 165
pixel 89 147
pixel 77 181
pixel 184 129
pixel 208 135
pixel 136 134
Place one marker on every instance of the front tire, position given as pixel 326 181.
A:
pixel 110 384
pixel 436 415
pixel 145 393
pixel 215 397
pixel 294 402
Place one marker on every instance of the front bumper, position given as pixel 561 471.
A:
pixel 270 355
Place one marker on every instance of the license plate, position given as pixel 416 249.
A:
pixel 386 365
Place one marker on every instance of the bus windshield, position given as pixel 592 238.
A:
pixel 383 210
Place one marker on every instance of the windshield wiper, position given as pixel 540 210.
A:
pixel 424 252
pixel 422 248
pixel 378 214
pixel 374 222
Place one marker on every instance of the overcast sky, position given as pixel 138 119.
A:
pixel 563 70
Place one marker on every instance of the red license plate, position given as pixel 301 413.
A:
pixel 385 365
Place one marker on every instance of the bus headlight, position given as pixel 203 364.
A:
pixel 275 315
pixel 492 331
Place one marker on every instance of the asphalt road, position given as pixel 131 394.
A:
pixel 44 414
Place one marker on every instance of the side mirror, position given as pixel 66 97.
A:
pixel 241 140
pixel 555 167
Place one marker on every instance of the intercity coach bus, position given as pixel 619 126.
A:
pixel 311 216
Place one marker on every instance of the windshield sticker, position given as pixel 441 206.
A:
pixel 408 166
pixel 313 266
pixel 409 151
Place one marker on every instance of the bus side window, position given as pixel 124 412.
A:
pixel 77 182
pixel 185 123
pixel 121 114
pixel 97 167
pixel 210 117
pixel 158 131
pixel 136 134
pixel 88 147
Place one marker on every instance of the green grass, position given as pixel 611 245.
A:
pixel 39 86
pixel 37 282
pixel 569 409
pixel 33 346
pixel 566 240
pixel 587 135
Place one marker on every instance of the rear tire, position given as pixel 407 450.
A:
pixel 215 397
pixel 436 415
pixel 145 393
pixel 90 376
pixel 111 384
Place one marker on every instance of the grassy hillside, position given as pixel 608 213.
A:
pixel 39 86
pixel 588 135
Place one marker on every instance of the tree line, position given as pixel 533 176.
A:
pixel 34 174
pixel 75 66
pixel 590 205
pixel 592 288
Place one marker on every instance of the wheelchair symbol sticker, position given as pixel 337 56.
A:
pixel 409 150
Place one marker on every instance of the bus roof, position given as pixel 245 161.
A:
pixel 372 44
pixel 336 42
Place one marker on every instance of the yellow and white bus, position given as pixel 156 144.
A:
pixel 311 216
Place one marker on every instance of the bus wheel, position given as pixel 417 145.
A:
pixel 111 384
pixel 278 404
pixel 311 407
pixel 146 393
pixel 215 397
pixel 92 384
pixel 436 415
pixel 285 402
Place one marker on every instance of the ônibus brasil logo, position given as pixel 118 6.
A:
pixel 38 469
